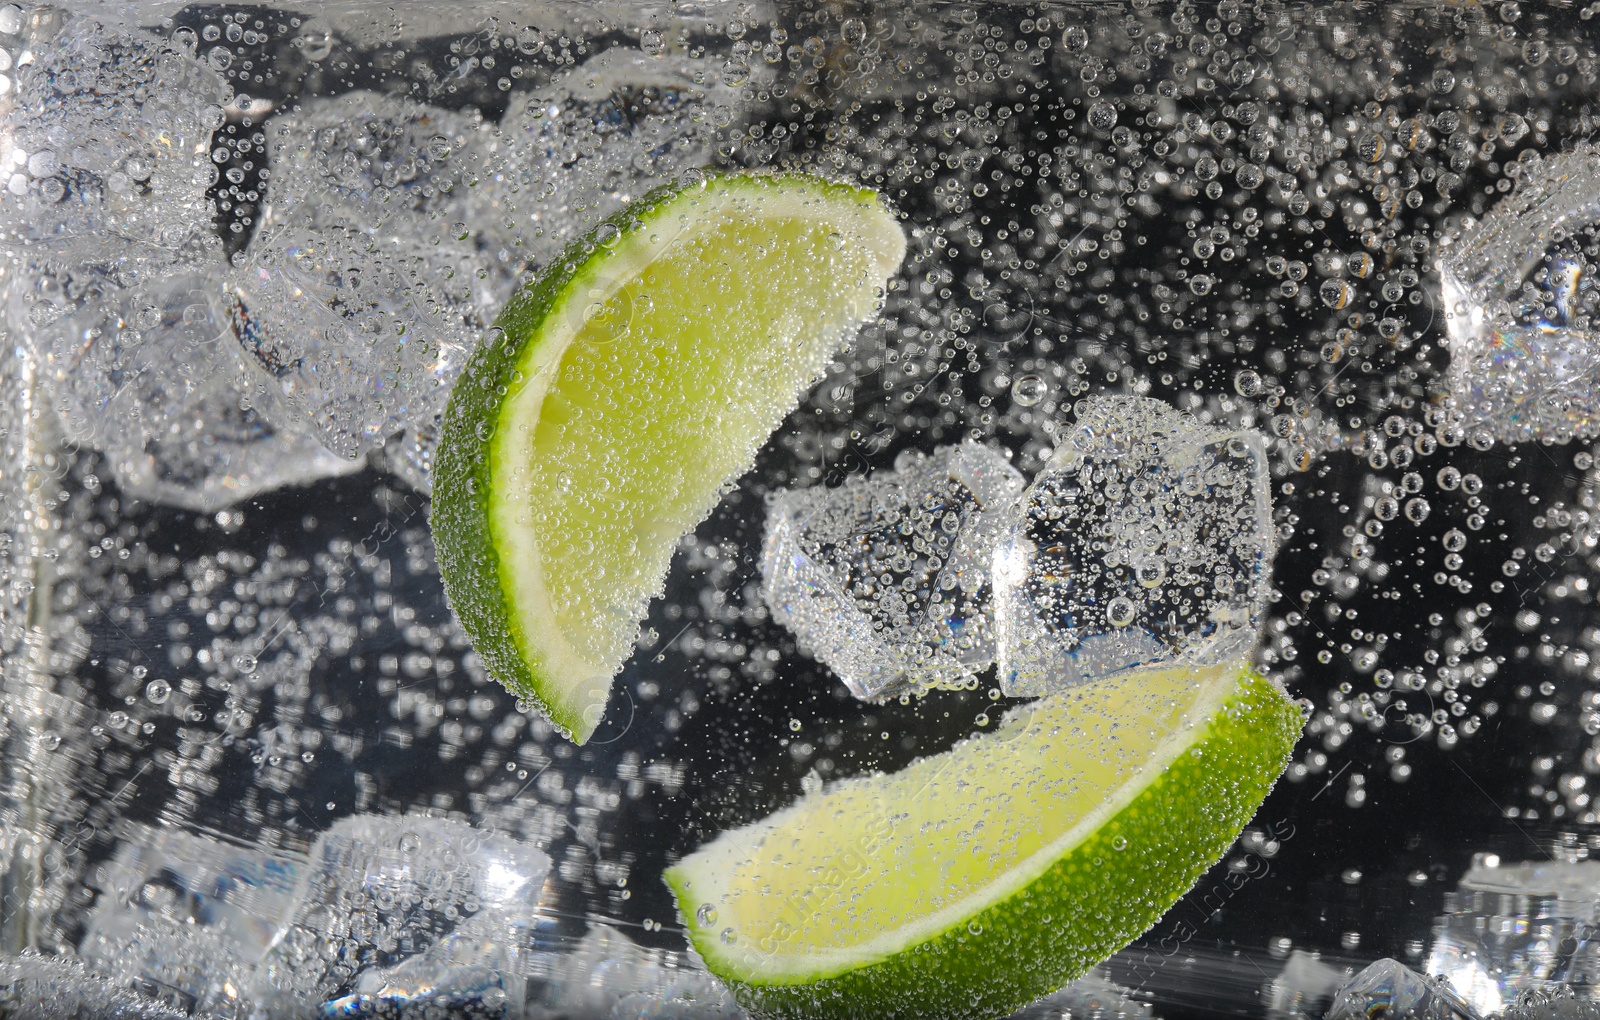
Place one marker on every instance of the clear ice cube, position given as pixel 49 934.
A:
pixel 105 147
pixel 886 579
pixel 1146 538
pixel 608 975
pixel 384 889
pixel 1391 990
pixel 364 287
pixel 362 336
pixel 185 915
pixel 1521 306
pixel 387 165
pixel 1513 928
pixel 398 903
pixel 150 374
pixel 591 141
pixel 468 974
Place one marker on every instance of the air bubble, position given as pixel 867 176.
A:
pixel 1028 390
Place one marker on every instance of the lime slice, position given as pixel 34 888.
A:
pixel 975 881
pixel 633 381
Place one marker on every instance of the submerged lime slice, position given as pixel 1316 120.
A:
pixel 631 382
pixel 977 880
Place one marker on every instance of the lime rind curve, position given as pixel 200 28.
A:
pixel 478 582
pixel 1051 927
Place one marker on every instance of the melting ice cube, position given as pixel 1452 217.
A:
pixel 1521 302
pixel 1146 538
pixel 396 907
pixel 105 148
pixel 1390 989
pixel 593 140
pixel 364 288
pixel 151 375
pixel 184 915
pixel 1513 928
pixel 886 578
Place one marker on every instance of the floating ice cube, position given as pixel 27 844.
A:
pixel 362 335
pixel 151 375
pixel 213 926
pixel 1507 929
pixel 381 890
pixel 1521 306
pixel 886 578
pixel 364 287
pixel 1146 538
pixel 1390 989
pixel 386 165
pixel 469 975
pixel 608 975
pixel 186 916
pixel 105 147
pixel 593 140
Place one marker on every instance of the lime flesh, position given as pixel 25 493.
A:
pixel 632 381
pixel 975 881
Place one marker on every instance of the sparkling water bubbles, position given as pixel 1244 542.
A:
pixel 1520 304
pixel 886 578
pixel 1146 538
pixel 150 375
pixel 1390 990
pixel 105 145
pixel 364 289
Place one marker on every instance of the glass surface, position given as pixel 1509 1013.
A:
pixel 250 763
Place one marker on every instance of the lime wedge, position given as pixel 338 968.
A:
pixel 975 881
pixel 632 381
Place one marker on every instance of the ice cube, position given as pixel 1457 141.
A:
pixel 1146 538
pixel 362 335
pixel 105 147
pixel 151 375
pixel 38 987
pixel 1509 928
pixel 186 916
pixel 886 578
pixel 1520 306
pixel 591 141
pixel 468 974
pixel 381 890
pixel 608 975
pixel 210 925
pixel 365 286
pixel 1390 990
pixel 386 165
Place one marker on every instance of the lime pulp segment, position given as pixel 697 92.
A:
pixel 633 381
pixel 974 881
